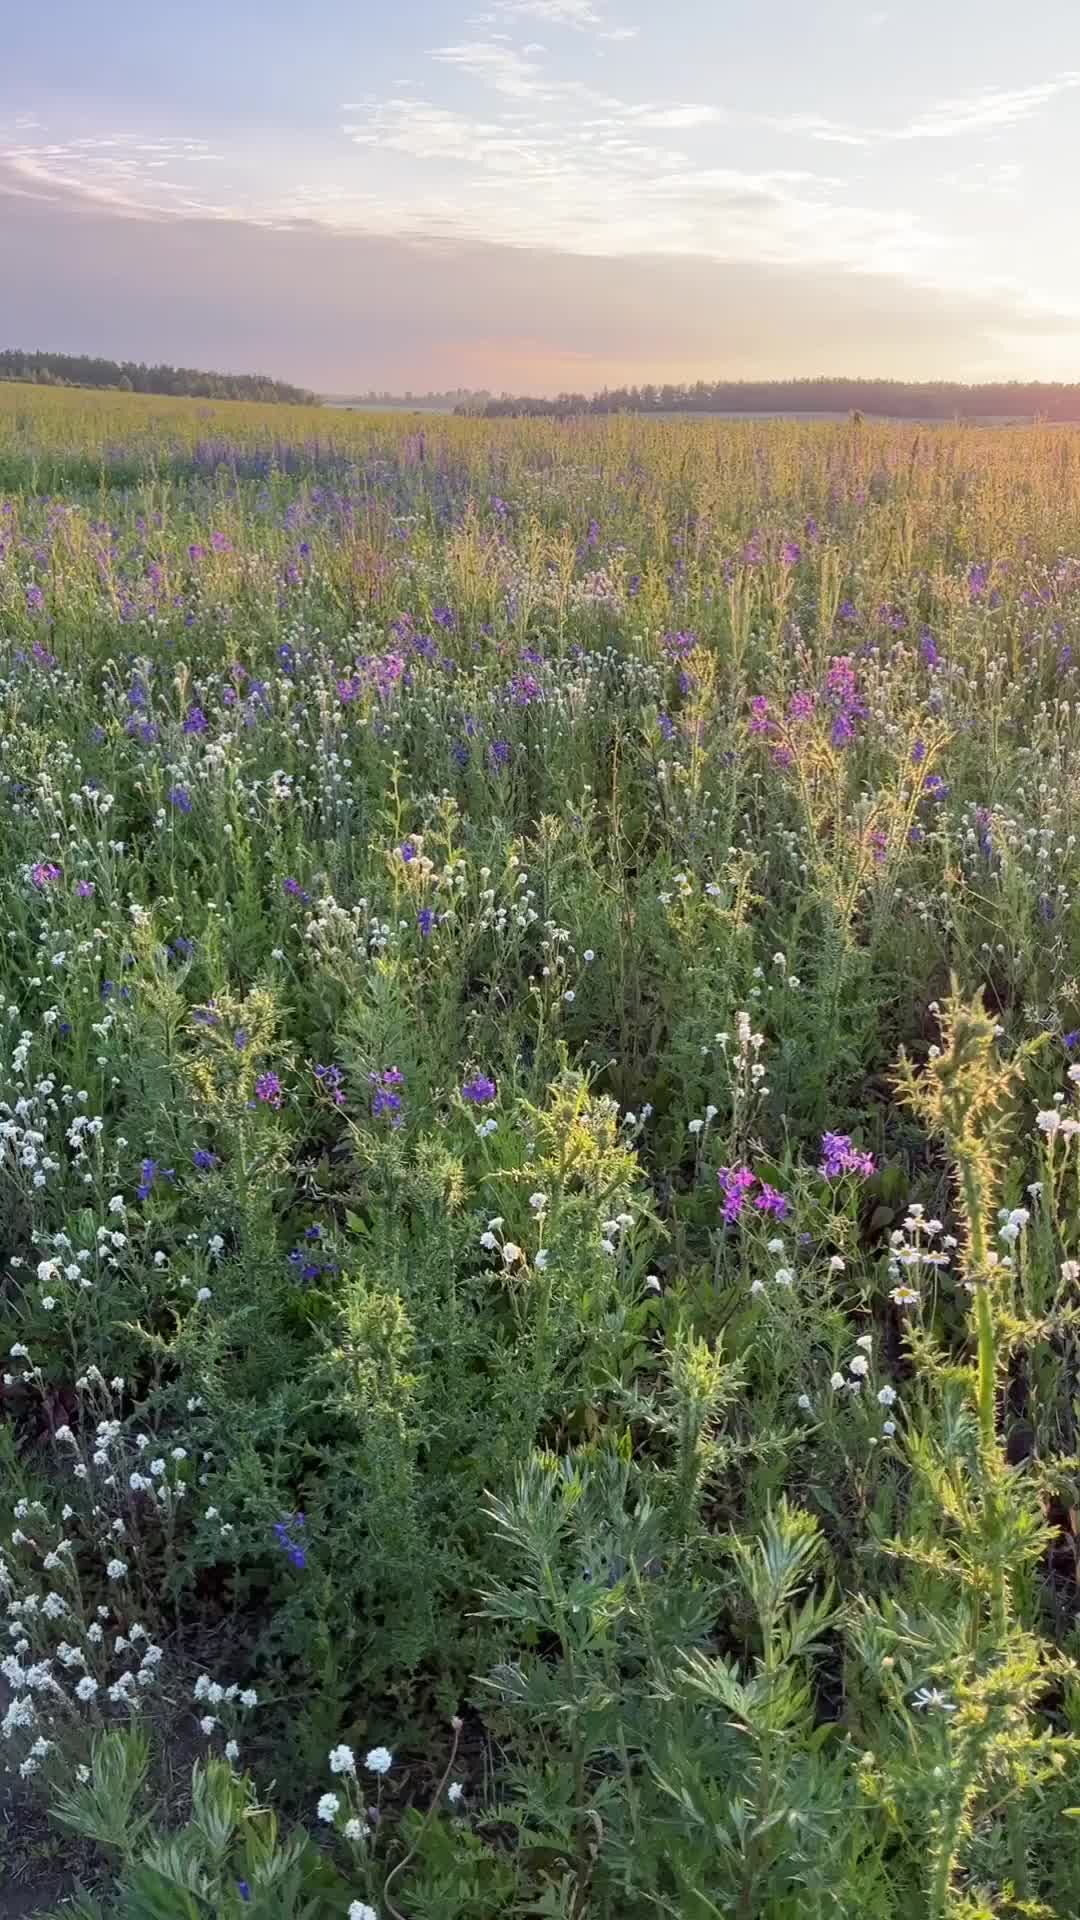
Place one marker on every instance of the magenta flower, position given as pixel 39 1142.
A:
pixel 735 1184
pixel 838 1157
pixel 45 873
pixel 770 1201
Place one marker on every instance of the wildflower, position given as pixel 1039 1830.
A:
pixel 784 1277
pixel 838 1156
pixel 886 1396
pixel 836 1381
pixel 180 798
pixel 888 1427
pixel 904 1296
pixel 386 1099
pixel 735 1184
pixel 355 1829
pixel 268 1089
pixel 859 1366
pixel 804 1403
pixel 203 1160
pixel 771 1202
pixel 926 1697
pixel 44 873
pixel 86 1688
pixel 342 1760
pixel 203 1295
pixel 284 1532
pixel 327 1808
pixel 116 1569
pixel 332 1081
pixel 359 1910
pixel 207 1724
pixel 195 720
pixel 479 1090
pixel 425 921
pixel 379 1760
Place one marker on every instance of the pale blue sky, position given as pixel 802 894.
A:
pixel 546 192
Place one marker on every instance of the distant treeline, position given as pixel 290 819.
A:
pixel 902 399
pixel 453 400
pixel 132 376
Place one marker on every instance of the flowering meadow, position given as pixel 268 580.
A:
pixel 539 1210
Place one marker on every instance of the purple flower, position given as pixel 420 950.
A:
pixel 791 553
pixel 243 1890
pixel 180 798
pixel 772 1202
pixel 195 552
pixel 735 1184
pixel 385 1099
pixel 479 1090
pixel 45 873
pixel 204 1161
pixel 1070 1040
pixel 332 1081
pixel 84 889
pixel 928 649
pixel 838 1156
pixel 294 888
pixel 195 720
pixel 35 600
pixel 425 921
pixel 268 1089
pixel 978 578
pixel 801 706
pixel 918 753
pixel 445 618
pixel 499 753
pixel 760 717
pixel 286 1530
pixel 407 851
pixel 148 1173
pixel 525 688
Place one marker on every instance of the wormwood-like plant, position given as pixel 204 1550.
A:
pixel 228 1859
pixel 766 1802
pixel 978 1529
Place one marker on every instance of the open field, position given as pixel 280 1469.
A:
pixel 539 1210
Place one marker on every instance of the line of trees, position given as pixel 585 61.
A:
pixel 902 399
pixel 133 376
pixel 452 400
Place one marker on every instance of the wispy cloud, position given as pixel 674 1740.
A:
pixel 978 112
pixel 992 107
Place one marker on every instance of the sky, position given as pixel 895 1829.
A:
pixel 540 195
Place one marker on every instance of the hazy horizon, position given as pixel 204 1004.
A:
pixel 535 195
